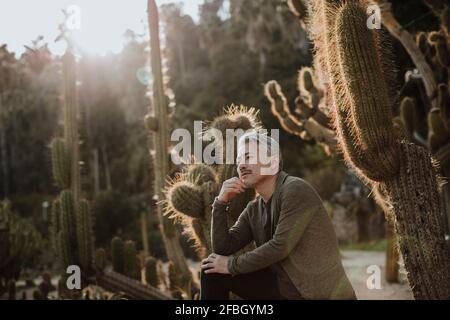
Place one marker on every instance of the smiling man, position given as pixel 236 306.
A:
pixel 297 254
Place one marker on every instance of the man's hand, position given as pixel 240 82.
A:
pixel 230 189
pixel 215 264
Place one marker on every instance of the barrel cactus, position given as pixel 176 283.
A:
pixel 191 194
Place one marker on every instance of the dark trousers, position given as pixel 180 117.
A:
pixel 259 285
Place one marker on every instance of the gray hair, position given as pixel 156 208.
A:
pixel 261 138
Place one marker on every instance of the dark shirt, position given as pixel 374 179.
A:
pixel 291 291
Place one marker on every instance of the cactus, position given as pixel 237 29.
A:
pixel 313 122
pixel 175 286
pixel 392 252
pixel 191 194
pixel 61 163
pixel 351 56
pixel 116 282
pixel 434 133
pixel 100 259
pixel 409 118
pixel 151 272
pixel 299 9
pixel 157 124
pixel 19 241
pixel 132 264
pixel 118 255
pixel 125 259
pixel 71 228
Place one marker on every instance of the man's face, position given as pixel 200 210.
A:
pixel 253 163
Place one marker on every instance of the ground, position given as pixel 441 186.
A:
pixel 356 263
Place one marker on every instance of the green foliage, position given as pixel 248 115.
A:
pixel 19 242
pixel 29 89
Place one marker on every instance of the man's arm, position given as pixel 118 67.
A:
pixel 227 241
pixel 299 203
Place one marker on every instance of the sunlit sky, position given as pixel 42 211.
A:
pixel 102 22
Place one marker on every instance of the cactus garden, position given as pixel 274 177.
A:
pixel 97 202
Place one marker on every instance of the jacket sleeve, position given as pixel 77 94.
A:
pixel 299 203
pixel 227 241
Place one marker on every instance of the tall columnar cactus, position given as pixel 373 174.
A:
pixel 311 120
pixel 118 255
pixel 151 272
pixel 175 284
pixel 71 221
pixel 192 192
pixel 132 265
pixel 157 124
pixel 351 56
pixel 125 259
pixel 19 240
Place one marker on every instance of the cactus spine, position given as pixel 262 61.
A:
pixel 351 56
pixel 158 115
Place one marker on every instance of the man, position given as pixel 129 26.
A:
pixel 296 255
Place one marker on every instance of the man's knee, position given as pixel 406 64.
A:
pixel 217 278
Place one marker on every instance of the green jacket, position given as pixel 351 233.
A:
pixel 304 242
